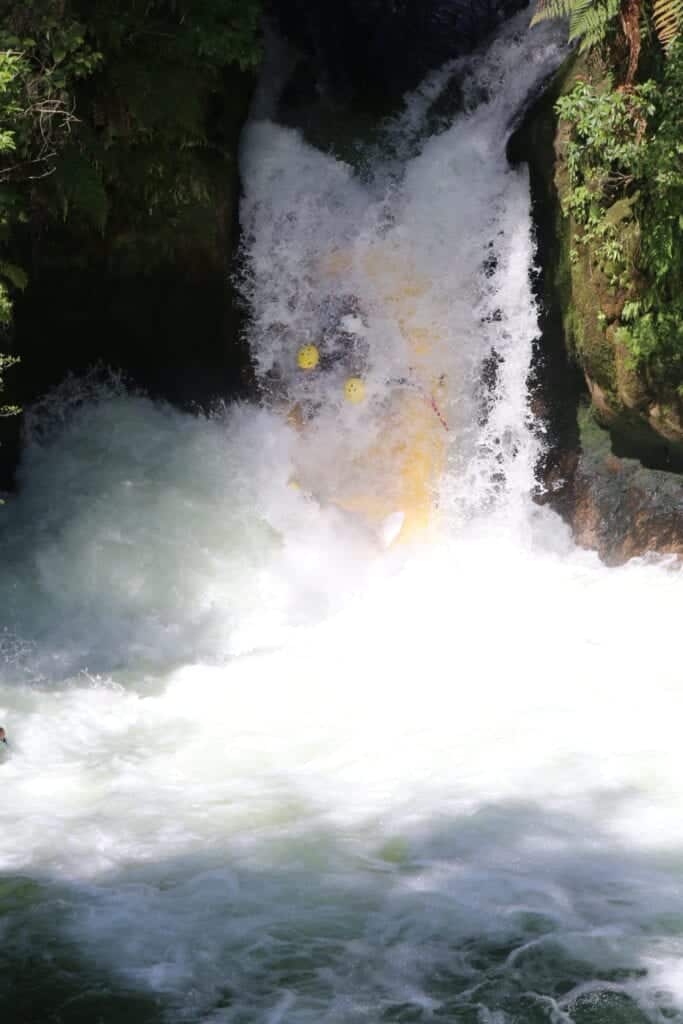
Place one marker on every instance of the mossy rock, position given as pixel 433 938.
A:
pixel 644 414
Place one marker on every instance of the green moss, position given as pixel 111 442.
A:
pixel 126 228
pixel 641 408
pixel 148 98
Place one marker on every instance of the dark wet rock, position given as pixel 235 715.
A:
pixel 368 52
pixel 447 105
pixel 615 505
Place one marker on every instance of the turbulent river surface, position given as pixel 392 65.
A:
pixel 264 768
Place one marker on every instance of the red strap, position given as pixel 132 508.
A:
pixel 442 421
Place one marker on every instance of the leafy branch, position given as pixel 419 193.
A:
pixel 625 167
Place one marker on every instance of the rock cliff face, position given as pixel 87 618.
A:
pixel 616 506
pixel 368 52
pixel 615 438
pixel 147 296
pixel 644 416
pixel 154 299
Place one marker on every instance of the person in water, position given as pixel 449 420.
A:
pixel 3 737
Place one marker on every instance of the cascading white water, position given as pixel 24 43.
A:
pixel 263 771
pixel 441 239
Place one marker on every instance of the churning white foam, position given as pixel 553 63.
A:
pixel 263 771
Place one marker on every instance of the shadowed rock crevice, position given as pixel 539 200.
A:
pixel 368 52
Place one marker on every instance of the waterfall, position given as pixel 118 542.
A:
pixel 267 768
pixel 430 236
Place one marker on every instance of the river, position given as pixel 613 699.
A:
pixel 267 768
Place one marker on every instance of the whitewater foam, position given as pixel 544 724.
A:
pixel 262 770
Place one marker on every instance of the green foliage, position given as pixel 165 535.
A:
pixel 103 114
pixel 44 53
pixel 202 33
pixel 590 21
pixel 80 189
pixel 603 159
pixel 5 363
pixel 152 162
pixel 625 166
pixel 9 273
pixel 104 107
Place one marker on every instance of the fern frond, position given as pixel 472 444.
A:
pixel 668 19
pixel 546 9
pixel 590 19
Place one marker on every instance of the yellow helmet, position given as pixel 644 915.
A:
pixel 308 357
pixel 354 390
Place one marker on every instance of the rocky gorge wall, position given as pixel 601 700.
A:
pixel 615 437
pixel 147 289
pixel 128 243
pixel 153 297
pixel 367 53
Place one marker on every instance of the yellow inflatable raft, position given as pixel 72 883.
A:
pixel 394 482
